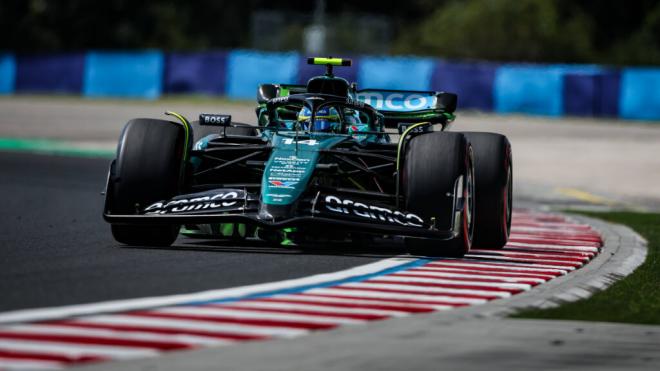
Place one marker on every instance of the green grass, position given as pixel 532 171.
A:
pixel 53 147
pixel 634 299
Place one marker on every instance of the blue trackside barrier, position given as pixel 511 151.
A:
pixel 473 82
pixel 529 89
pixel 592 94
pixel 610 85
pixel 123 74
pixel 51 73
pixel 307 71
pixel 552 90
pixel 202 72
pixel 246 69
pixel 401 73
pixel 7 73
pixel 640 94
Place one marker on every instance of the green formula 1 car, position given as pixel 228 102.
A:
pixel 319 165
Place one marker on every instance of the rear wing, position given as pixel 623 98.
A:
pixel 397 106
pixel 401 101
pixel 408 105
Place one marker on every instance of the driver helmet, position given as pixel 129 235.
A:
pixel 326 120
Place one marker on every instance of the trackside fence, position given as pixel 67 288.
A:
pixel 539 89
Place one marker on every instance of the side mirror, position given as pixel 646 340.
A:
pixel 447 102
pixel 265 92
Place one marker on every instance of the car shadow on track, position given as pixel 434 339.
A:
pixel 379 249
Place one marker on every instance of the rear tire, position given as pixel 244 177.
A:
pixel 433 164
pixel 148 169
pixel 494 189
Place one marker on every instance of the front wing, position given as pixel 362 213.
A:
pixel 332 210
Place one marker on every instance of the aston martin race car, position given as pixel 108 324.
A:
pixel 319 165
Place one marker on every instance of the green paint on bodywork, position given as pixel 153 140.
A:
pixel 226 229
pixel 54 147
pixel 287 241
pixel 419 115
pixel 292 163
pixel 284 91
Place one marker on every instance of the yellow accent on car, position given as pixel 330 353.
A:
pixel 331 61
pixel 186 129
pixel 331 117
pixel 402 138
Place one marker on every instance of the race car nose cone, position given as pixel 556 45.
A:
pixel 265 215
pixel 274 213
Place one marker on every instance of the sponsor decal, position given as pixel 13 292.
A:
pixel 400 102
pixel 372 212
pixel 357 103
pixel 214 119
pixel 280 99
pixel 282 184
pixel 276 197
pixel 227 199
pixel 403 126
pixel 306 142
pixel 286 172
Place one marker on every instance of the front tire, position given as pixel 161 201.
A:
pixel 149 168
pixel 438 184
pixel 494 189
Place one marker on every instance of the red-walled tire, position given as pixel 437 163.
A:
pixel 494 189
pixel 433 165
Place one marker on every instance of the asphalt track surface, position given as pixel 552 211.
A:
pixel 57 250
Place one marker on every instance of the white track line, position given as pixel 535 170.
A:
pixel 32 315
pixel 553 247
pixel 548 263
pixel 109 351
pixel 427 289
pixel 315 308
pixel 502 265
pixel 451 300
pixel 184 324
pixel 567 257
pixel 54 329
pixel 483 272
pixel 353 300
pixel 218 311
pixel 448 273
pixel 519 286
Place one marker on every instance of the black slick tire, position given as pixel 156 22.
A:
pixel 433 164
pixel 494 189
pixel 148 169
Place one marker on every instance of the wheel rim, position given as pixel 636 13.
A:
pixel 469 199
pixel 507 198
